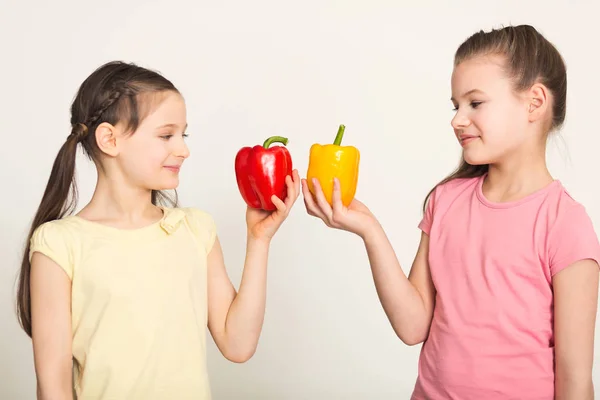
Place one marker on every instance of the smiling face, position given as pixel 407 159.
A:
pixel 491 119
pixel 152 156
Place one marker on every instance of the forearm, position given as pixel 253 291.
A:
pixel 571 386
pixel 246 315
pixel 401 301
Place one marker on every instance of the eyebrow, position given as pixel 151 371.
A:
pixel 172 126
pixel 468 93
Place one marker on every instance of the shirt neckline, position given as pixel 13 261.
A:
pixel 167 224
pixel 510 204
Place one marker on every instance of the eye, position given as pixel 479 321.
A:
pixel 475 104
pixel 166 137
pixel 185 135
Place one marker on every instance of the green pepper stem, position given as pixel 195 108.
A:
pixel 275 139
pixel 340 134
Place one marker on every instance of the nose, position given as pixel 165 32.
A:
pixel 182 150
pixel 460 121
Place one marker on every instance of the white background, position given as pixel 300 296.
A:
pixel 249 70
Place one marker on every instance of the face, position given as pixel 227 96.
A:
pixel 491 119
pixel 151 157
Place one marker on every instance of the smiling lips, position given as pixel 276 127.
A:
pixel 465 139
pixel 173 168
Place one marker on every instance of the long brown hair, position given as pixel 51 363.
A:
pixel 116 92
pixel 529 58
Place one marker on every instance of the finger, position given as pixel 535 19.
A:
pixel 279 204
pixel 291 196
pixel 336 198
pixel 322 203
pixel 309 201
pixel 296 182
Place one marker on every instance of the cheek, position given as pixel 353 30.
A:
pixel 515 126
pixel 490 126
pixel 144 158
pixel 501 125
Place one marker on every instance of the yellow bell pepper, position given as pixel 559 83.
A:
pixel 333 160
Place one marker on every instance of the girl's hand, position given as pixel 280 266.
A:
pixel 355 218
pixel 262 224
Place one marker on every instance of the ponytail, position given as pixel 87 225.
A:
pixel 111 94
pixel 59 199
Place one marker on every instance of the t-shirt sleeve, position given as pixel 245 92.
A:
pixel 205 229
pixel 52 240
pixel 427 220
pixel 572 239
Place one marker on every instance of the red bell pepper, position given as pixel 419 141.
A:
pixel 260 172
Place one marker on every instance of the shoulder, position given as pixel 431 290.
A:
pixel 197 215
pixel 448 192
pixel 60 230
pixel 560 209
pixel 443 196
pixel 57 240
pixel 202 225
pixel 561 203
pixel 571 234
pixel 459 185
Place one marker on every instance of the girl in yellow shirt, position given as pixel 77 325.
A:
pixel 118 297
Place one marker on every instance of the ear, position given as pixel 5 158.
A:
pixel 537 102
pixel 106 139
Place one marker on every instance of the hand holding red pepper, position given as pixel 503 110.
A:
pixel 268 185
pixel 264 224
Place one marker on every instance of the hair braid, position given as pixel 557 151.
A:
pixel 115 94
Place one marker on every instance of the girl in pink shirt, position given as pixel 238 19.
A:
pixel 503 290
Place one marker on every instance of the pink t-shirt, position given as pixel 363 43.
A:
pixel 492 264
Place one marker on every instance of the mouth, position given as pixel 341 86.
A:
pixel 465 139
pixel 173 168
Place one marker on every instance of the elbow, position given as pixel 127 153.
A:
pixel 51 385
pixel 50 392
pixel 412 336
pixel 235 348
pixel 240 356
pixel 411 340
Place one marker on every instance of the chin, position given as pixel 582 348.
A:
pixel 166 185
pixel 476 159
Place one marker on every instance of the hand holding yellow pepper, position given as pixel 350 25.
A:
pixel 334 161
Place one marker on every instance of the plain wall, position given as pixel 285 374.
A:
pixel 249 70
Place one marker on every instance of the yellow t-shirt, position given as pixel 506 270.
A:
pixel 139 304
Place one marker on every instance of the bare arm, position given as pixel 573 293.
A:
pixel 51 329
pixel 408 302
pixel 235 319
pixel 575 307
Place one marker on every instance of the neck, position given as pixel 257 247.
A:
pixel 116 200
pixel 519 176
